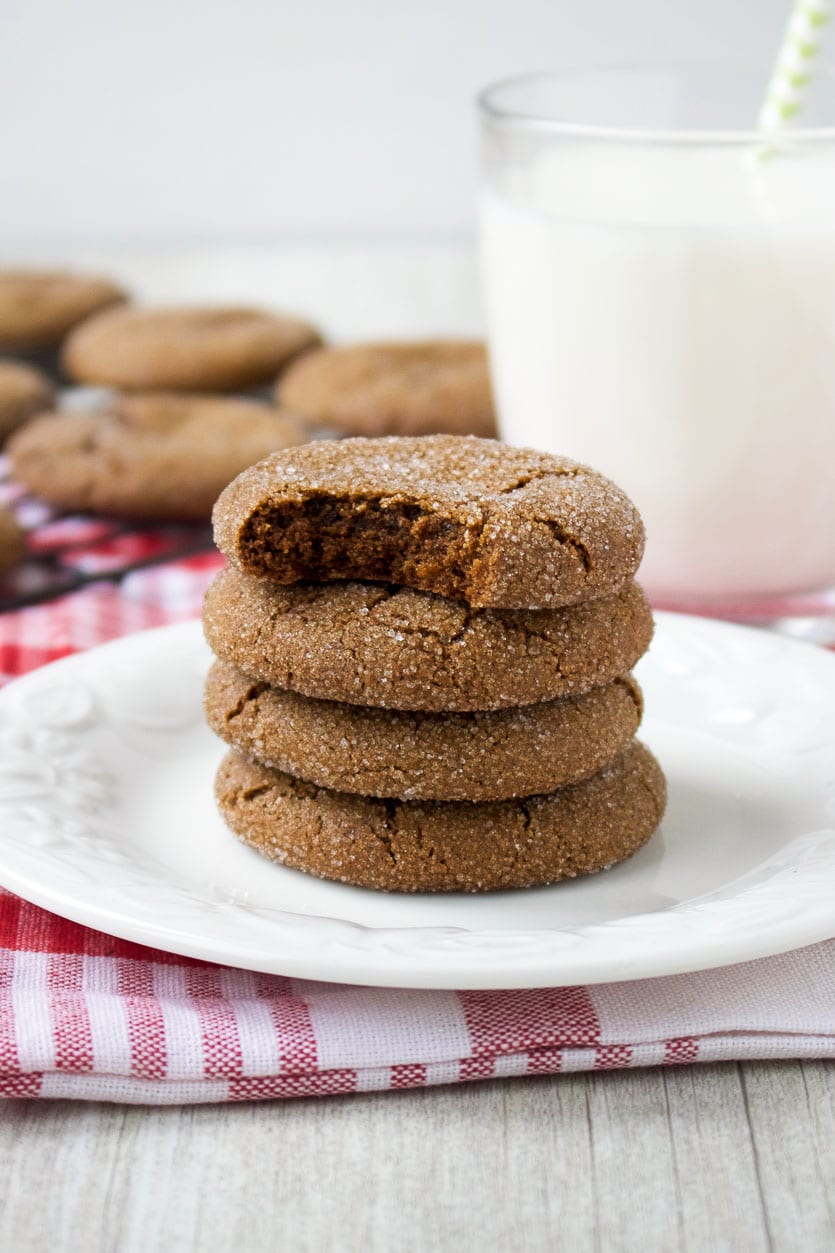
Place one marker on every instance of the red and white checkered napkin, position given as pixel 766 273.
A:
pixel 86 1016
pixel 89 1017
pixel 149 597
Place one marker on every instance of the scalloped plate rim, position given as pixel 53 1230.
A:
pixel 410 968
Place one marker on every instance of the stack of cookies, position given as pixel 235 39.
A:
pixel 424 648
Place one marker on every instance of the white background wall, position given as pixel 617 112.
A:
pixel 174 119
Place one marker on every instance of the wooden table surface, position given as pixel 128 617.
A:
pixel 701 1158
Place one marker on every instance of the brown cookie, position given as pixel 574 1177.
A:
pixel 394 389
pixel 445 846
pixel 470 519
pixel 155 456
pixel 369 644
pixel 188 349
pixel 24 391
pixel 39 307
pixel 11 540
pixel 421 756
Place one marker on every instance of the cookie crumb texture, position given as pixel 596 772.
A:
pixel 411 846
pixel 420 756
pixel 466 518
pixel 369 644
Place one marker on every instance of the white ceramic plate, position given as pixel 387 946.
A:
pixel 107 817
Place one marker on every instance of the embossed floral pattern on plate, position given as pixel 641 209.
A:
pixel 106 816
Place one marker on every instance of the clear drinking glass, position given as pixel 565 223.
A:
pixel 660 295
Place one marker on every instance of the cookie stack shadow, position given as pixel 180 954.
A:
pixel 445 735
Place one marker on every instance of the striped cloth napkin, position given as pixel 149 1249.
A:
pixel 86 1016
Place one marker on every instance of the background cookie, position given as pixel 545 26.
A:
pixel 39 307
pixel 154 456
pixel 185 349
pixel 11 540
pixel 24 391
pixel 445 846
pixel 370 644
pixel 416 388
pixel 466 518
pixel 421 756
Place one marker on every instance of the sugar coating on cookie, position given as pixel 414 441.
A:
pixel 157 456
pixel 12 541
pixel 24 391
pixel 402 388
pixel 445 846
pixel 422 756
pixel 370 644
pixel 470 519
pixel 38 308
pixel 185 349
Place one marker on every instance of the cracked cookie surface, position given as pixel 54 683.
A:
pixel 445 846
pixel 369 644
pixel 422 756
pixel 466 518
pixel 155 456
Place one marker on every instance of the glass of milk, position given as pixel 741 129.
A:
pixel 660 296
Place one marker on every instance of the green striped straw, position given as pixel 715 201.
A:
pixel 793 69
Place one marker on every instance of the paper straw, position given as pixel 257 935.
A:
pixel 793 69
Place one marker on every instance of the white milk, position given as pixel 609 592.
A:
pixel 669 317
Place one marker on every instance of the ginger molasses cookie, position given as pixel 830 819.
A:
pixel 369 644
pixel 470 519
pixel 445 846
pixel 39 307
pixel 185 349
pixel 491 755
pixel 419 388
pixel 157 456
pixel 11 540
pixel 24 391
